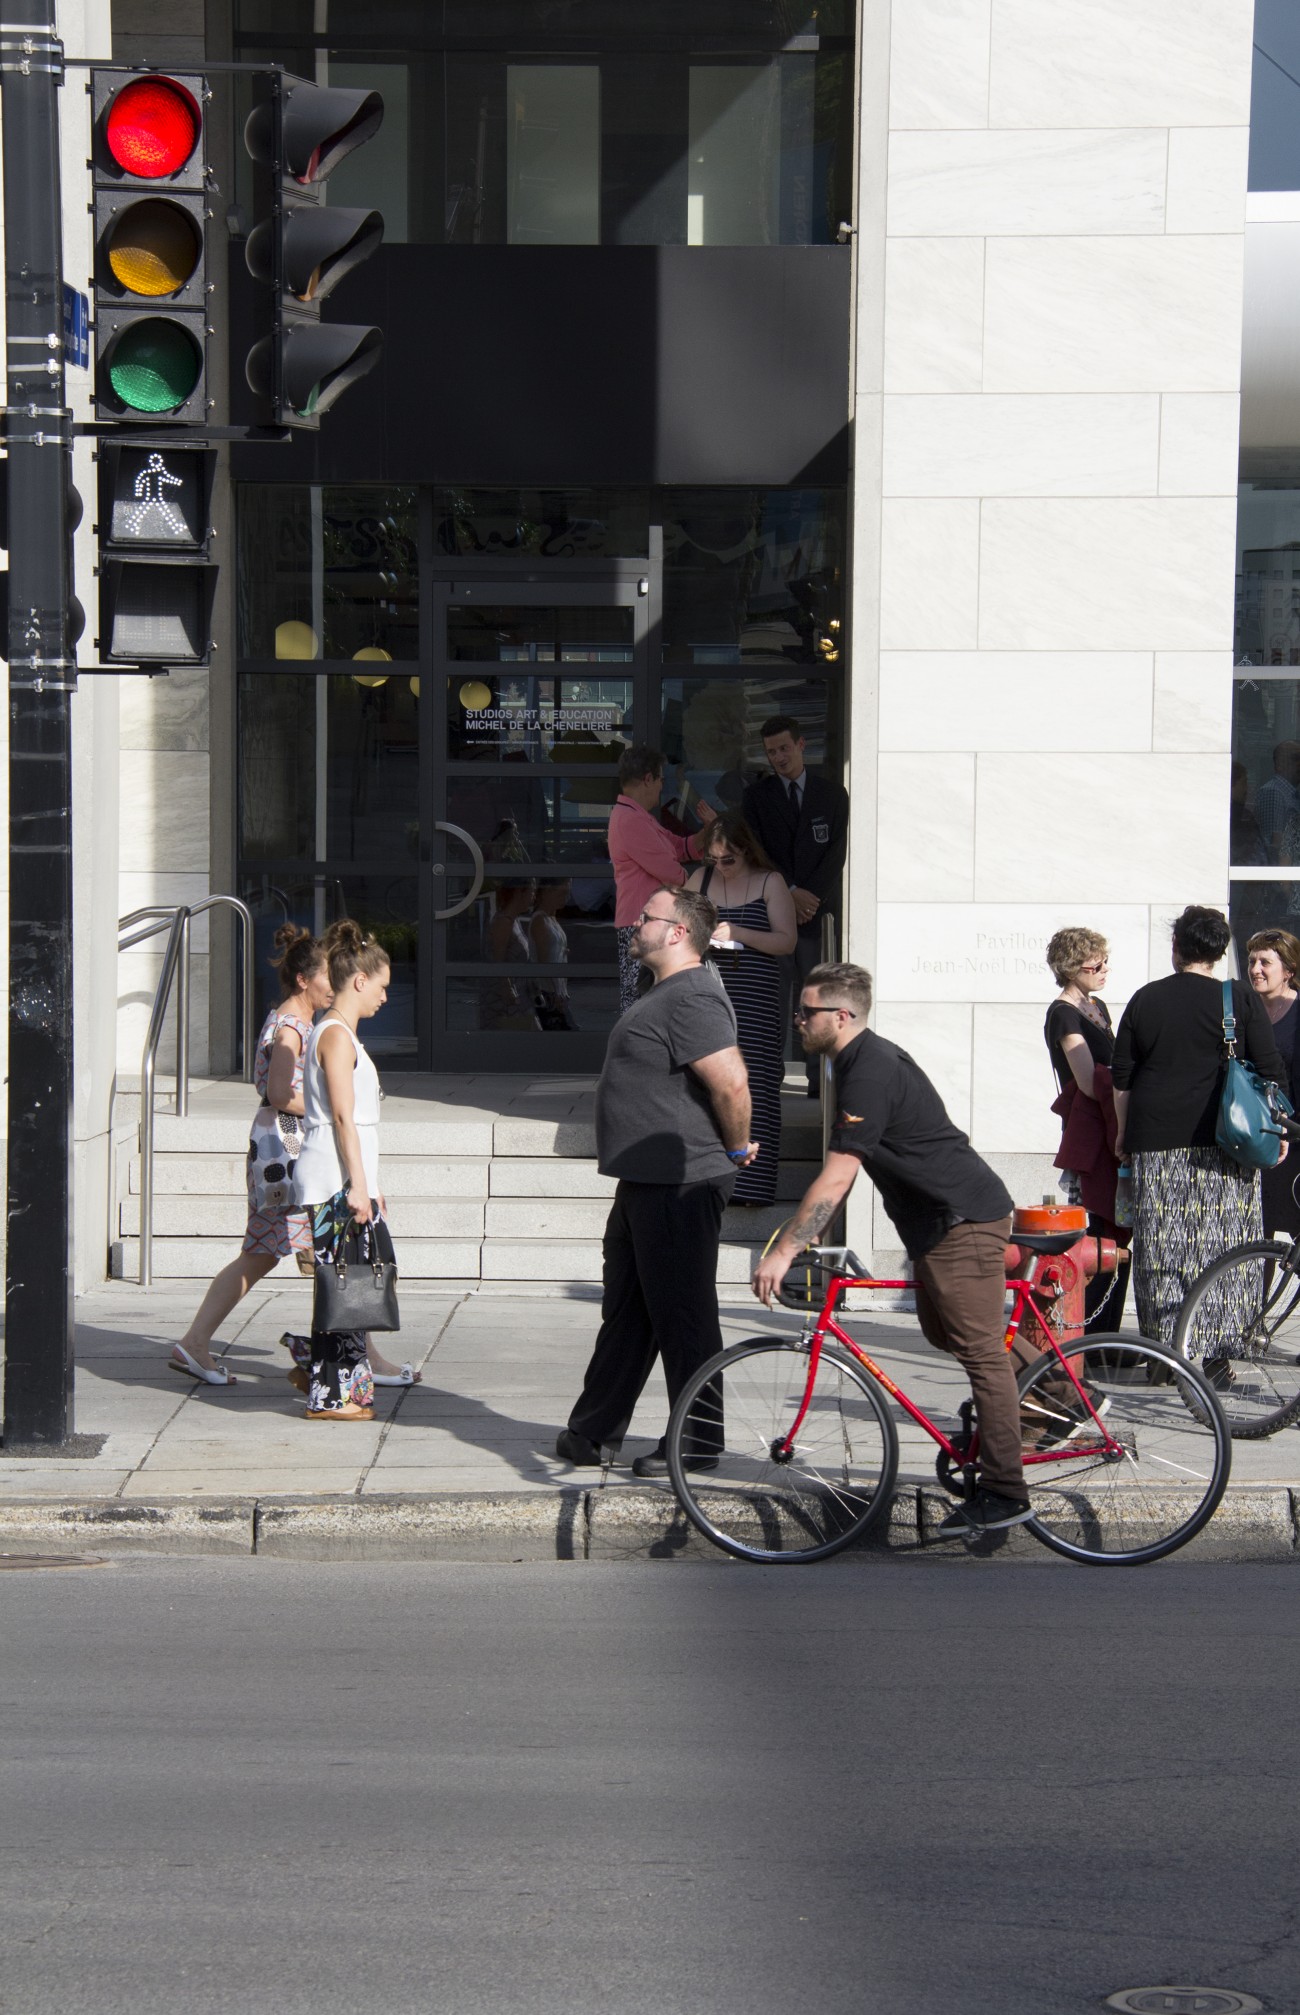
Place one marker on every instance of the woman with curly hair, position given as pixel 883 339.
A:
pixel 1081 1043
pixel 1272 962
pixel 1190 1199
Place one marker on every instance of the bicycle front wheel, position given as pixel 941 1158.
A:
pixel 1135 1467
pixel 1241 1323
pixel 761 1502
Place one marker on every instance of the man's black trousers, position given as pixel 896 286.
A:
pixel 661 1297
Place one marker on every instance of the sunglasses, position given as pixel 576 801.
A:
pixel 806 1014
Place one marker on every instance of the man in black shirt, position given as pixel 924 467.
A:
pixel 672 1124
pixel 951 1211
pixel 802 823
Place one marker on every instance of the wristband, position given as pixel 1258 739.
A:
pixel 737 1153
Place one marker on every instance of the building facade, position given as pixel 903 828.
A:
pixel 878 363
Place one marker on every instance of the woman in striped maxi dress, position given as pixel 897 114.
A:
pixel 756 928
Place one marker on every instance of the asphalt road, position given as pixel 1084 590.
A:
pixel 578 1790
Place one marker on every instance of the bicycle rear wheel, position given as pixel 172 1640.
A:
pixel 1240 1322
pixel 1138 1471
pixel 759 1503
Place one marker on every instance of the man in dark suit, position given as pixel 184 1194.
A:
pixel 802 823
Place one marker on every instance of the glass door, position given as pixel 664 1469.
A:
pixel 536 684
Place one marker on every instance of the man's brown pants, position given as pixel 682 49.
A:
pixel 961 1286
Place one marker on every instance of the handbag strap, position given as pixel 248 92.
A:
pixel 1229 1022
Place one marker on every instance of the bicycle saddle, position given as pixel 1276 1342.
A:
pixel 1046 1241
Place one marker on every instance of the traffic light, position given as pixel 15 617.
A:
pixel 302 247
pixel 157 579
pixel 149 163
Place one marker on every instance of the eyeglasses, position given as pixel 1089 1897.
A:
pixel 646 918
pixel 1101 966
pixel 806 1014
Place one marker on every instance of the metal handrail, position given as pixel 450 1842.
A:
pixel 176 920
pixel 171 960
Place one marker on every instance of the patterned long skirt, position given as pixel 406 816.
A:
pixel 339 1369
pixel 1189 1205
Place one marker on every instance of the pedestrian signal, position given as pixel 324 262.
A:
pixel 150 282
pixel 157 579
pixel 301 247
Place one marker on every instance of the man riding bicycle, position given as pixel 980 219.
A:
pixel 951 1211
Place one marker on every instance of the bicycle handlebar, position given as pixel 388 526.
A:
pixel 841 1259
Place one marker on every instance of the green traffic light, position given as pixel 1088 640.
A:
pixel 155 366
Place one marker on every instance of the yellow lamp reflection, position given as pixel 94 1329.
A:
pixel 296 640
pixel 474 696
pixel 372 654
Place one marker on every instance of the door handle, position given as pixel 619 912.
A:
pixel 476 855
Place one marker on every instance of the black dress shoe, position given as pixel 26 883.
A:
pixel 575 1448
pixel 656 1463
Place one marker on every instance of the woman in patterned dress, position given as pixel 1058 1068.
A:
pixel 276 1228
pixel 1190 1199
pixel 756 928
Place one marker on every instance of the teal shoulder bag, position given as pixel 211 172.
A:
pixel 1248 1127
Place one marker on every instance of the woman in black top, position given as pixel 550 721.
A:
pixel 1079 1036
pixel 1272 962
pixel 1190 1200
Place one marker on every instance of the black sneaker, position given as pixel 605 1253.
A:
pixel 987 1511
pixel 573 1447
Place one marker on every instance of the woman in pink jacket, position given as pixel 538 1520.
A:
pixel 645 854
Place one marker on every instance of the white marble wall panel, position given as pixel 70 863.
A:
pixel 995 184
pixel 1207 178
pixel 1115 574
pixel 1120 63
pixel 983 445
pixel 1199 444
pixel 965 952
pixel 929 574
pixel 138 891
pixel 1022 700
pixel 934 315
pixel 164 811
pixel 938 1035
pixel 1154 823
pixel 170 713
pixel 939 63
pixel 1113 314
pixel 1012 1082
pixel 925 813
pixel 137 977
pixel 1162 929
pixel 1192 702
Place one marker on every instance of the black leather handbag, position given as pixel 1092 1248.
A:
pixel 356 1287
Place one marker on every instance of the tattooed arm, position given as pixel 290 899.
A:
pixel 808 1223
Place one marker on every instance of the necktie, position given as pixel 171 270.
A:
pixel 794 797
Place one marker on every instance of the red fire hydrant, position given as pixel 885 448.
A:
pixel 1059 1275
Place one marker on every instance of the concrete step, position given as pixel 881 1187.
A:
pixel 553 1177
pixel 227 1133
pixel 571 1218
pixel 518 1260
pixel 222 1175
pixel 224 1217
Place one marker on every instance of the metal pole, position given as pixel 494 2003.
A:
pixel 38 1397
pixel 183 1022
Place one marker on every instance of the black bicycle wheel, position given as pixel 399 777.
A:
pixel 1240 1322
pixel 1137 1471
pixel 759 1503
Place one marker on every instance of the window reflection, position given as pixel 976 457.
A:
pixel 525 719
pixel 711 736
pixel 327 573
pixel 384 905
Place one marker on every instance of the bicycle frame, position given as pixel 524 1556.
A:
pixel 1023 1291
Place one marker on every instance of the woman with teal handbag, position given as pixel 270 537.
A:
pixel 1192 1197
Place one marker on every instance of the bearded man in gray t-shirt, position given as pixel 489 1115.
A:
pixel 672 1123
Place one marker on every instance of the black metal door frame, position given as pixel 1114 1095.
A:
pixel 445 850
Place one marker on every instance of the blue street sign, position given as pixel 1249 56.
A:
pixel 76 327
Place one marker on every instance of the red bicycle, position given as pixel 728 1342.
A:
pixel 1126 1452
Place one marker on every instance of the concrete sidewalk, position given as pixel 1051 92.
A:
pixel 462 1463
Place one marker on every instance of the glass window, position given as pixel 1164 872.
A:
pixel 518 718
pixel 384 905
pixel 531 818
pixel 552 154
pixel 327 572
pixel 277 769
pixel 1275 97
pixel 1265 821
pixel 547 524
pixel 753 576
pixel 513 1006
pixel 711 739
pixel 692 123
pixel 514 633
pixel 328 768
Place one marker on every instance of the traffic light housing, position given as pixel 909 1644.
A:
pixel 302 247
pixel 157 579
pixel 149 163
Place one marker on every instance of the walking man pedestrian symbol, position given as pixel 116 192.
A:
pixel 153 479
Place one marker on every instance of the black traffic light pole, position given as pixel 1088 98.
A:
pixel 42 669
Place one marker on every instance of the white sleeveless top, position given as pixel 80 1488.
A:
pixel 319 1173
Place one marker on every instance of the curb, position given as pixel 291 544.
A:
pixel 1252 1524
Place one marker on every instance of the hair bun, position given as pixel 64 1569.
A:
pixel 345 936
pixel 289 935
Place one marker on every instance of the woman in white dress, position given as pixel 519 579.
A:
pixel 337 1174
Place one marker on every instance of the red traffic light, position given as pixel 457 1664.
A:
pixel 152 127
